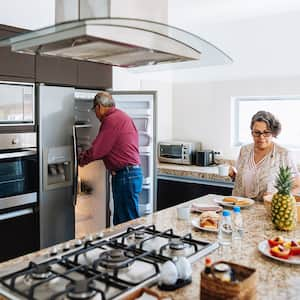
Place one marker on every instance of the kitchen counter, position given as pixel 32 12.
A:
pixel 274 278
pixel 192 173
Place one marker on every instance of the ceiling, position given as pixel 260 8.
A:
pixel 214 11
pixel 260 35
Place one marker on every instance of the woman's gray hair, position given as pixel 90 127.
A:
pixel 271 121
pixel 105 99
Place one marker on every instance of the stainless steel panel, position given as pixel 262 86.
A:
pixel 56 111
pixel 18 140
pixel 15 214
pixel 17 102
pixel 18 200
pixel 17 154
pixel 56 217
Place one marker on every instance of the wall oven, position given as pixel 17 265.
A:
pixel 18 195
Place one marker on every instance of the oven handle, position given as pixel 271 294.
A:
pixel 17 154
pixel 75 171
pixel 15 214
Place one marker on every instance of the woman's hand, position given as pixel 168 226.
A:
pixel 232 172
pixel 267 196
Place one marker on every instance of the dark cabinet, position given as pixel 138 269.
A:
pixel 171 192
pixel 56 70
pixel 69 72
pixel 14 66
pixel 19 232
pixel 50 69
pixel 94 75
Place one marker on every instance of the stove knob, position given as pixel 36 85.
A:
pixel 66 247
pixel 89 238
pixel 78 243
pixel 99 235
pixel 53 251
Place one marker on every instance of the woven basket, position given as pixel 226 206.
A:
pixel 213 288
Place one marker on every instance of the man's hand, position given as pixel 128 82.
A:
pixel 81 159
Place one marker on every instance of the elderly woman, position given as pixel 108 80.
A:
pixel 259 162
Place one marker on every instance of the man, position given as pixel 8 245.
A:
pixel 117 145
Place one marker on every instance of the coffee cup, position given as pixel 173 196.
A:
pixel 183 212
pixel 223 170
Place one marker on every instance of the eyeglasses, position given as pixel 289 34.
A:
pixel 264 133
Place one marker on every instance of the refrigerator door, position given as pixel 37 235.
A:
pixel 91 213
pixel 141 107
pixel 94 202
pixel 56 117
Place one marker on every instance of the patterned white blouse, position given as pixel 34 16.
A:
pixel 254 179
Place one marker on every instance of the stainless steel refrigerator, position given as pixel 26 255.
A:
pixel 75 201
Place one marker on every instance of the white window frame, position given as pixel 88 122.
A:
pixel 235 112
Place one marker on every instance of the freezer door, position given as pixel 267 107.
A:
pixel 56 118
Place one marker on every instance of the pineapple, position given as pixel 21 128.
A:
pixel 283 207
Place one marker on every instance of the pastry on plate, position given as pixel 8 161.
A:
pixel 230 200
pixel 209 219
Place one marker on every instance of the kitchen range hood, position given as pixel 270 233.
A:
pixel 96 31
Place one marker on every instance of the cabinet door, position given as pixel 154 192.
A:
pixel 170 192
pixel 94 75
pixel 14 64
pixel 56 70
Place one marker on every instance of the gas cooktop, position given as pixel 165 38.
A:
pixel 102 268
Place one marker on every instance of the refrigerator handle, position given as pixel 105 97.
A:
pixel 75 171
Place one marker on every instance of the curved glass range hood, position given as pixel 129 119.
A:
pixel 122 42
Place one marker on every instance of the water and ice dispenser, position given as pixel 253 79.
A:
pixel 58 171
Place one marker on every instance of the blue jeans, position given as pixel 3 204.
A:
pixel 126 187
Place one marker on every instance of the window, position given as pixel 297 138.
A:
pixel 286 109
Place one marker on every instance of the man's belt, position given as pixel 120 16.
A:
pixel 126 168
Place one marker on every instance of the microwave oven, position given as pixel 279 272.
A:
pixel 176 152
pixel 17 105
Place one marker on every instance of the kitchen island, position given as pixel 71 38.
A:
pixel 276 280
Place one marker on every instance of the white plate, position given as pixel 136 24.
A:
pixel 228 204
pixel 264 248
pixel 195 223
pixel 200 208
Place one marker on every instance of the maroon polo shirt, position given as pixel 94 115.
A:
pixel 116 143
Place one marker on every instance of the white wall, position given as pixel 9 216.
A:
pixel 30 14
pixel 125 80
pixel 202 111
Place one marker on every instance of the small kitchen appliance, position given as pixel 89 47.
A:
pixel 177 152
pixel 205 158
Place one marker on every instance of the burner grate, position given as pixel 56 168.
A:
pixel 105 269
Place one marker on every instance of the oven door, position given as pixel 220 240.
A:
pixel 18 177
pixel 19 231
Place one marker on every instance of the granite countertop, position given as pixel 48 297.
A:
pixel 276 280
pixel 209 173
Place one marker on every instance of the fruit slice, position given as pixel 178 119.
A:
pixel 280 251
pixel 278 240
pixel 294 246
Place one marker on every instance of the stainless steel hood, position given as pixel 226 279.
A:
pixel 90 32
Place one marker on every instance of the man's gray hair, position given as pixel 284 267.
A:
pixel 105 99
